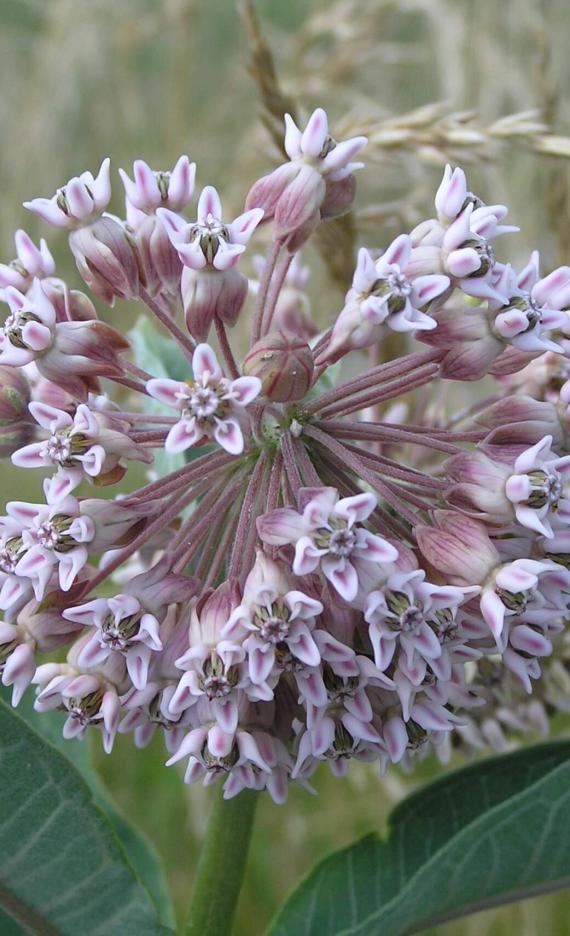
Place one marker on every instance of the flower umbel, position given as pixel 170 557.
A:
pixel 324 570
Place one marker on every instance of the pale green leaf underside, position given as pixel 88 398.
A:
pixel 62 869
pixel 488 834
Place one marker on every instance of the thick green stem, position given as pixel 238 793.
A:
pixel 222 866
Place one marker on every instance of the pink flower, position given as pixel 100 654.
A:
pixel 407 613
pixel 294 194
pixel 118 625
pixel 213 753
pixel 151 190
pixel 90 696
pixel 209 241
pixel 88 443
pixel 29 329
pixel 36 629
pixel 469 258
pixel 538 488
pixel 209 249
pixel 531 307
pixel 382 294
pixel 531 489
pixel 58 536
pixel 274 618
pixel 328 534
pixel 527 588
pixel 211 405
pixel 31 262
pixel 316 146
pixel 213 667
pixel 72 354
pixel 78 202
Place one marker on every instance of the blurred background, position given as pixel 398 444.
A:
pixel 482 84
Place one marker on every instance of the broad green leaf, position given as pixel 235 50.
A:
pixel 485 835
pixel 139 849
pixel 62 868
pixel 10 927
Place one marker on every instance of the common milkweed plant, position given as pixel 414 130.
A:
pixel 338 553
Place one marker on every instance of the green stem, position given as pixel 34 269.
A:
pixel 222 866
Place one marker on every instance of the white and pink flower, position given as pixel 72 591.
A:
pixel 211 406
pixel 329 535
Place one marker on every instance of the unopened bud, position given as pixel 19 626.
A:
pixel 284 364
pixel 69 304
pixel 209 294
pixel 339 197
pixel 106 258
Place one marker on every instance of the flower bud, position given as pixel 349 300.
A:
pixel 106 259
pixel 339 197
pixel 159 260
pixel 284 364
pixel 209 294
pixel 16 424
pixel 69 304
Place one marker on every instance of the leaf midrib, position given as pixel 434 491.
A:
pixel 33 921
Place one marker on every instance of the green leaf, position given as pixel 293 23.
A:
pixel 62 868
pixel 485 835
pixel 139 849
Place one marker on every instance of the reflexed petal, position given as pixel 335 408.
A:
pixel 315 133
pixel 244 225
pixel 397 253
pixel 209 205
pixel 245 389
pixel 181 184
pixel 493 611
pixel 183 435
pixel 396 738
pixel 307 556
pixel 228 434
pixel 301 606
pixel 293 137
pixel 342 576
pixel 356 509
pixel 205 364
pixel 365 274
pixel 167 391
pixel 343 153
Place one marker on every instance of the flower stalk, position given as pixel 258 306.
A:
pixel 222 865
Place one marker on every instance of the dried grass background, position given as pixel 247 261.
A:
pixel 480 82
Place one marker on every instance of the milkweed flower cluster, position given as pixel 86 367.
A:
pixel 344 562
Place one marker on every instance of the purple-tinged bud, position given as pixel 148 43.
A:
pixel 458 547
pixel 16 423
pixel 106 258
pixel 317 183
pixel 70 304
pixel 81 353
pixel 161 265
pixel 339 197
pixel 284 364
pixel 78 202
pixel 209 294
pixel 211 613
